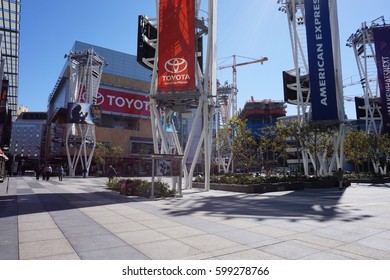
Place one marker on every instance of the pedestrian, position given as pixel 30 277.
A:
pixel 44 172
pixel 340 177
pixel 48 172
pixel 37 172
pixel 60 173
pixel 84 172
pixel 111 173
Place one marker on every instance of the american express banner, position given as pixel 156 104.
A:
pixel 321 66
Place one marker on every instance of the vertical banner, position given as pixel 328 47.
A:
pixel 3 103
pixel 321 65
pixel 382 54
pixel 176 46
pixel 4 93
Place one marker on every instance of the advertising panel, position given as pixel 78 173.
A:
pixel 83 113
pixel 382 54
pixel 3 101
pixel 145 51
pixel 4 92
pixel 176 46
pixel 167 167
pixel 122 102
pixel 321 65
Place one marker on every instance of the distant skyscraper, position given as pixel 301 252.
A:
pixel 9 39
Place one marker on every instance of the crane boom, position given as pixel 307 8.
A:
pixel 261 60
pixel 233 96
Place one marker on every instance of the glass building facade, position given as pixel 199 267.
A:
pixel 9 38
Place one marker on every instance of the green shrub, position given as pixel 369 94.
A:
pixel 114 184
pixel 141 187
pixel 162 189
pixel 249 179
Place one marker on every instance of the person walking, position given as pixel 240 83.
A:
pixel 111 173
pixel 60 173
pixel 38 171
pixel 340 177
pixel 45 170
pixel 48 172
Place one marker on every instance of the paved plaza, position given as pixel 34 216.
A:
pixel 78 218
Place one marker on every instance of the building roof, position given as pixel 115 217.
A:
pixel 119 63
pixel 263 107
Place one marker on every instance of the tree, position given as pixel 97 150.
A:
pixel 116 153
pixel 245 148
pixel 100 154
pixel 275 144
pixel 384 150
pixel 356 147
pixel 224 146
pixel 318 140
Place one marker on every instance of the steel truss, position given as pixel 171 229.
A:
pixel 85 73
pixel 295 12
pixel 362 43
pixel 223 113
pixel 200 104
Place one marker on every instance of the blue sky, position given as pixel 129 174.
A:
pixel 246 28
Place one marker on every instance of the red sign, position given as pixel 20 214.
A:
pixel 123 102
pixel 176 45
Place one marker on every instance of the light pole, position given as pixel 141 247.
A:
pixel 14 164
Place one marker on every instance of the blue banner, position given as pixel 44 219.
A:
pixel 321 66
pixel 382 54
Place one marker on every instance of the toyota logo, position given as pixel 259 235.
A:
pixel 176 65
pixel 99 99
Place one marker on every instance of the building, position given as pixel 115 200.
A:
pixel 9 38
pixel 9 62
pixel 20 109
pixel 123 98
pixel 259 114
pixel 28 135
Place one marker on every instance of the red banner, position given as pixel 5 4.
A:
pixel 176 45
pixel 123 102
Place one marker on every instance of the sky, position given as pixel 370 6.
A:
pixel 249 29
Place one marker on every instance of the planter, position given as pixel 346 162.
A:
pixel 255 188
pixel 331 183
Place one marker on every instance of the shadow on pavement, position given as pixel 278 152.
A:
pixel 313 204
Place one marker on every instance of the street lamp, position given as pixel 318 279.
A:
pixel 14 164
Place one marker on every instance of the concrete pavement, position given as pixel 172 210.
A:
pixel 78 218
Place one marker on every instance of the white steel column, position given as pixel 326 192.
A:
pixel 85 73
pixel 363 46
pixel 201 103
pixel 295 12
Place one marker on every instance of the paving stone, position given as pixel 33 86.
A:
pixel 116 253
pixel 45 248
pixel 80 219
pixel 167 250
pixel 95 242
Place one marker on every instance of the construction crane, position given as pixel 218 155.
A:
pixel 234 85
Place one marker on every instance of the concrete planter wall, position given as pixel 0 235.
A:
pixel 284 186
pixel 255 188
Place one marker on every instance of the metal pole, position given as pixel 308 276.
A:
pixel 152 187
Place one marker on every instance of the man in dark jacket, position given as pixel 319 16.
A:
pixel 111 173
